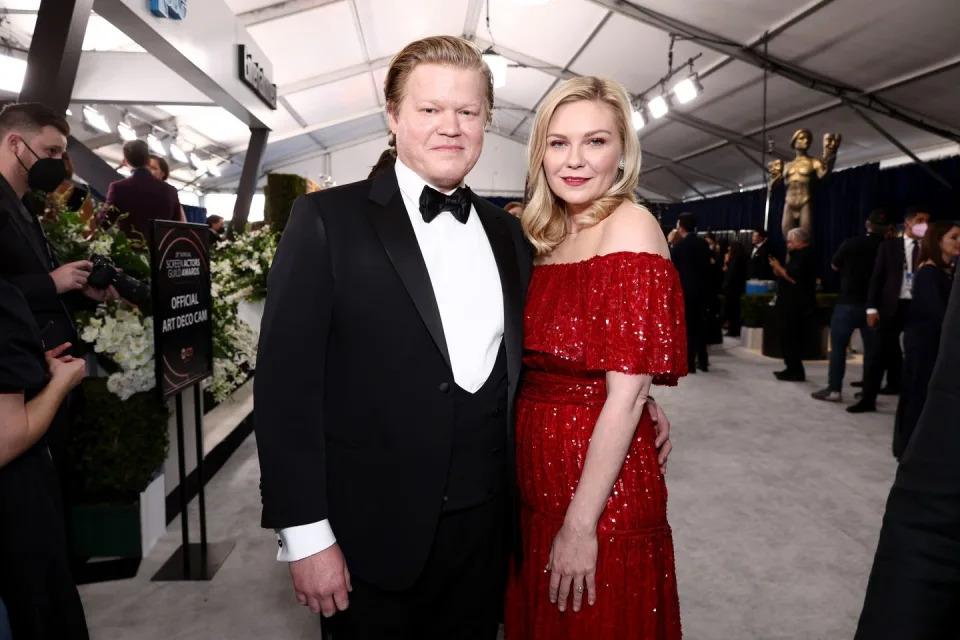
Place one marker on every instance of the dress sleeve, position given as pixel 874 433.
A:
pixel 22 363
pixel 636 318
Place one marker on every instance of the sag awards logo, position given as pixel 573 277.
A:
pixel 172 9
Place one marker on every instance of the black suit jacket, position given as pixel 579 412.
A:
pixel 801 294
pixel 691 257
pixel 914 587
pixel 759 267
pixel 26 263
pixel 354 412
pixel 887 278
pixel 145 198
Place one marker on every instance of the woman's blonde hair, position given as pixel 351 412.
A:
pixel 442 50
pixel 544 216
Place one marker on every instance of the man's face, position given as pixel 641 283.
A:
pixel 217 226
pixel 917 219
pixel 48 143
pixel 757 239
pixel 439 123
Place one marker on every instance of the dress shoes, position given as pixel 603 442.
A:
pixel 864 406
pixel 889 391
pixel 857 383
pixel 790 376
pixel 827 395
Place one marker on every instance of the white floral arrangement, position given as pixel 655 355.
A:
pixel 125 337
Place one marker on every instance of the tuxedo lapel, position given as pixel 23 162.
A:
pixel 505 254
pixel 388 215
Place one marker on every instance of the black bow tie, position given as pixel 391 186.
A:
pixel 432 203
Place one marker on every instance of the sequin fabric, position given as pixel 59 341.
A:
pixel 618 312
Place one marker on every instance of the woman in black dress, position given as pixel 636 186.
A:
pixel 35 582
pixel 921 336
pixel 734 286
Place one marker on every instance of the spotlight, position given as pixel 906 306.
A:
pixel 69 113
pixel 638 121
pixel 658 107
pixel 156 146
pixel 687 89
pixel 201 171
pixel 96 120
pixel 214 169
pixel 178 154
pixel 498 67
pixel 197 162
pixel 12 72
pixel 126 132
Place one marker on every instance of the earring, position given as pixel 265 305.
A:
pixel 623 165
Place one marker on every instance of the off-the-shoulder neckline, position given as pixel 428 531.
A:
pixel 636 254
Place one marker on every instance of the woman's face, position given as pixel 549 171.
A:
pixel 583 153
pixel 155 169
pixel 950 244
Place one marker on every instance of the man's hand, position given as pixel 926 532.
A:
pixel 71 276
pixel 101 295
pixel 873 320
pixel 662 426
pixel 322 581
pixel 777 267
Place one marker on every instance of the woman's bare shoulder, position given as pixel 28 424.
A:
pixel 631 227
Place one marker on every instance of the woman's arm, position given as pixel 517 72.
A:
pixel 23 424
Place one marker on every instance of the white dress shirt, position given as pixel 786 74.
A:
pixel 906 285
pixel 466 284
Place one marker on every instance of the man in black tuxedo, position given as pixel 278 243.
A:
pixel 796 302
pixel 141 196
pixel 914 586
pixel 691 257
pixel 888 303
pixel 389 358
pixel 33 139
pixel 759 266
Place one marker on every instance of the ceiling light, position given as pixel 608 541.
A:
pixel 197 162
pixel 126 132
pixel 638 121
pixel 124 171
pixel 214 169
pixel 530 3
pixel 12 71
pixel 69 113
pixel 178 154
pixel 96 120
pixel 658 107
pixel 498 67
pixel 156 146
pixel 688 89
pixel 201 171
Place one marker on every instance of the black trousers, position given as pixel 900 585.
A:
pixel 890 357
pixel 459 596
pixel 793 322
pixel 731 312
pixel 695 316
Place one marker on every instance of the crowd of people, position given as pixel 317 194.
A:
pixel 480 382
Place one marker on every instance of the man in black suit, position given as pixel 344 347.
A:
pixel 691 257
pixel 141 196
pixel 759 266
pixel 796 302
pixel 914 585
pixel 33 139
pixel 888 303
pixel 389 360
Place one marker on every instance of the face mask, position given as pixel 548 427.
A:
pixel 46 174
pixel 920 229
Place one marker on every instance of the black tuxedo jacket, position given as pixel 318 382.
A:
pixel 887 279
pixel 691 257
pixel 353 401
pixel 26 264
pixel 914 588
pixel 758 268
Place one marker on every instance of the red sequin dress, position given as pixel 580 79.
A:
pixel 617 312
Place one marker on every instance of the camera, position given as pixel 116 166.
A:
pixel 105 273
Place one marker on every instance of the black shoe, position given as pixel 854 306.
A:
pixel 857 383
pixel 790 376
pixel 705 368
pixel 864 406
pixel 889 391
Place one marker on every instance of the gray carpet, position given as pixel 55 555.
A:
pixel 775 501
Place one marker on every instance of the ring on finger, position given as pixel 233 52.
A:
pixel 579 588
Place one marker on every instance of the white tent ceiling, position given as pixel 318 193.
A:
pixel 330 57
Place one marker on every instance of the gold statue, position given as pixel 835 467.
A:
pixel 799 177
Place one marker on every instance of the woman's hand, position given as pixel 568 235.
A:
pixel 65 370
pixel 573 566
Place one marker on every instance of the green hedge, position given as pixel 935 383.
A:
pixel 282 189
pixel 116 447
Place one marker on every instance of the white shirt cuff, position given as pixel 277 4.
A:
pixel 869 311
pixel 297 543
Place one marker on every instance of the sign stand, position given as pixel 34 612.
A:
pixel 184 353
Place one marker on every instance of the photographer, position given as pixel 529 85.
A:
pixel 35 582
pixel 33 139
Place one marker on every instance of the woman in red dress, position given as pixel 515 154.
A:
pixel 603 322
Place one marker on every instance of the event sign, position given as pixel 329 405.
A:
pixel 173 9
pixel 182 315
pixel 252 75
